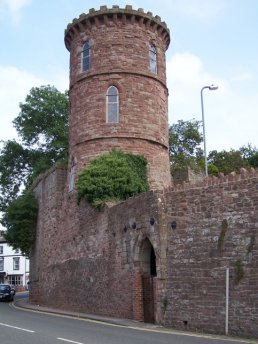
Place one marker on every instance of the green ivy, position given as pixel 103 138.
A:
pixel 239 271
pixel 224 228
pixel 20 221
pixel 251 244
pixel 113 176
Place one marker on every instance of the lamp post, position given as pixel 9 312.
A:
pixel 211 88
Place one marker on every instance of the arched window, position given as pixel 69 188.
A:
pixel 153 58
pixel 86 56
pixel 112 102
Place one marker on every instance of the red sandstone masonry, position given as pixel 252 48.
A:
pixel 120 41
pixel 94 249
pixel 196 267
pixel 90 261
pixel 138 312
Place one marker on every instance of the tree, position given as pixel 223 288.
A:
pixel 185 151
pixel 20 220
pixel 43 120
pixel 42 126
pixel 184 144
pixel 227 162
pixel 250 153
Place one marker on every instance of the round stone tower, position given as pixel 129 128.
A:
pixel 118 93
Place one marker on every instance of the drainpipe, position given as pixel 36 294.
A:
pixel 227 298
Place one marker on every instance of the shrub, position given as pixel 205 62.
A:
pixel 113 176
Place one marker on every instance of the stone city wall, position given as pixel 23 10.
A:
pixel 91 261
pixel 216 228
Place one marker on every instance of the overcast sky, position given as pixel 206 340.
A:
pixel 212 42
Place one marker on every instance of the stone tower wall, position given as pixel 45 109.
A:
pixel 119 41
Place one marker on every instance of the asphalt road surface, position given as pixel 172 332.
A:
pixel 27 327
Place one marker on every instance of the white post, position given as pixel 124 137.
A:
pixel 227 297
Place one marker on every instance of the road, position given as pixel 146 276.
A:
pixel 27 327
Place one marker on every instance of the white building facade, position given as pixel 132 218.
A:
pixel 14 268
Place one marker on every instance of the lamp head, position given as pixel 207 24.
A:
pixel 213 87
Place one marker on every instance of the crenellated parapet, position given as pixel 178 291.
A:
pixel 232 177
pixel 115 15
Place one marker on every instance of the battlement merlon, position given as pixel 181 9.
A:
pixel 116 13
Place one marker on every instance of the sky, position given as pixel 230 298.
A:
pixel 212 42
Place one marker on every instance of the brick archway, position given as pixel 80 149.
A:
pixel 145 290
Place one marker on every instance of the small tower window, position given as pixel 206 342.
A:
pixel 86 56
pixel 153 58
pixel 112 102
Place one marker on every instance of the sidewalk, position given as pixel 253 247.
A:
pixel 25 304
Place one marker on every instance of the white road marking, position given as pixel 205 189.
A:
pixel 17 328
pixel 70 341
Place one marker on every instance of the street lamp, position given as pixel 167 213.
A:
pixel 211 88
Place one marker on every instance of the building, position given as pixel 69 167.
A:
pixel 14 268
pixel 160 257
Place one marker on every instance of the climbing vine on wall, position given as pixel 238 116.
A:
pixel 113 176
pixel 251 244
pixel 224 228
pixel 239 271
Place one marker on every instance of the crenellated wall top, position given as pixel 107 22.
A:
pixel 115 13
pixel 232 177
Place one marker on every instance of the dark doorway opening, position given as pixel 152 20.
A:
pixel 153 270
pixel 149 273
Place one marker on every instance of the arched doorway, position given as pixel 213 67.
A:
pixel 148 273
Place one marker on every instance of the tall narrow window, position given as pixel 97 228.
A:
pixel 86 57
pixel 1 264
pixel 16 263
pixel 1 249
pixel 153 58
pixel 112 104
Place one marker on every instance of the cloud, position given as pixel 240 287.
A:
pixel 186 76
pixel 230 114
pixel 199 9
pixel 14 7
pixel 242 77
pixel 15 84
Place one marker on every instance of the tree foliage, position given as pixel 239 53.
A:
pixel 185 151
pixel 250 154
pixel 233 160
pixel 184 144
pixel 43 120
pixel 42 126
pixel 20 221
pixel 112 176
pixel 227 162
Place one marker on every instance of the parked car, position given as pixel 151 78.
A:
pixel 6 292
